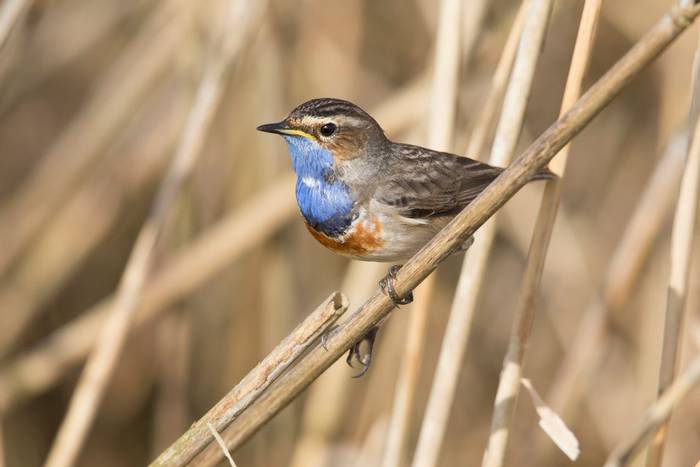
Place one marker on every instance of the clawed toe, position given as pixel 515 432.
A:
pixel 355 352
pixel 467 244
pixel 324 337
pixel 387 286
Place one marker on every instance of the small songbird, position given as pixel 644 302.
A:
pixel 366 197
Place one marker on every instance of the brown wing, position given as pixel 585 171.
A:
pixel 424 183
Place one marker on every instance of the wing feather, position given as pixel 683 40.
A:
pixel 424 183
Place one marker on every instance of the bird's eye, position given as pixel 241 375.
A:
pixel 328 129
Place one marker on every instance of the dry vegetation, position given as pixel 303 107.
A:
pixel 135 191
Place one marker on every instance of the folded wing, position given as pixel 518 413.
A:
pixel 426 183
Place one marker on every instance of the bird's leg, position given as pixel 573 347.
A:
pixel 465 245
pixel 355 351
pixel 387 286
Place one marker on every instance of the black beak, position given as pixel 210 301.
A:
pixel 278 127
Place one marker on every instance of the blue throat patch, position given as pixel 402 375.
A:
pixel 323 200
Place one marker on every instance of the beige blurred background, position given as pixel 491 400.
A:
pixel 94 96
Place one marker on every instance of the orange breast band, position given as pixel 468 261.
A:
pixel 364 237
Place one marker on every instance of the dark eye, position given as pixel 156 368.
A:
pixel 328 129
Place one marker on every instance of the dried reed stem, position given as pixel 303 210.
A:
pixel 487 117
pixel 544 148
pixel 328 396
pixel 41 273
pixel 251 225
pixel 323 408
pixel 406 386
pixel 443 93
pixel 472 22
pixel 220 441
pixel 98 21
pixel 10 11
pixel 2 443
pixel 443 105
pixel 512 372
pixel 255 383
pixel 111 105
pixel 101 363
pixel 656 415
pixel 457 329
pixel 681 254
pixel 507 135
pixel 584 350
pixel 173 348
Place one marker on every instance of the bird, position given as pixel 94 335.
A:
pixel 366 197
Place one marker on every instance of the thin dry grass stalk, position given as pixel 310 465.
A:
pixel 10 11
pixel 584 350
pixel 487 117
pixel 320 423
pixel 251 225
pixel 681 254
pixel 507 134
pixel 255 383
pixel 472 22
pixel 2 443
pixel 97 21
pixel 171 411
pixel 406 386
pixel 509 384
pixel 657 414
pixel 443 93
pixel 325 404
pixel 442 108
pixel 85 401
pixel 457 329
pixel 81 143
pixel 222 444
pixel 552 424
pixel 41 273
pixel 544 148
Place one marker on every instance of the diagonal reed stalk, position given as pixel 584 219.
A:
pixel 571 382
pixel 320 423
pixel 655 416
pixel 10 11
pixel 324 407
pixel 41 273
pixel 251 225
pixel 681 254
pixel 441 117
pixel 81 143
pixel 457 329
pixel 241 18
pixel 248 227
pixel 536 156
pixel 511 374
pixel 239 398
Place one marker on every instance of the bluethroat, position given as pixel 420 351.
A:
pixel 369 198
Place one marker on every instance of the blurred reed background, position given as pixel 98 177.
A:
pixel 95 98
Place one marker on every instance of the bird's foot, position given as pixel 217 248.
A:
pixel 326 335
pixel 355 352
pixel 387 286
pixel 465 245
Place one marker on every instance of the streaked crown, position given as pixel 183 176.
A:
pixel 334 124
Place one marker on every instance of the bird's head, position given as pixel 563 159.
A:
pixel 329 125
